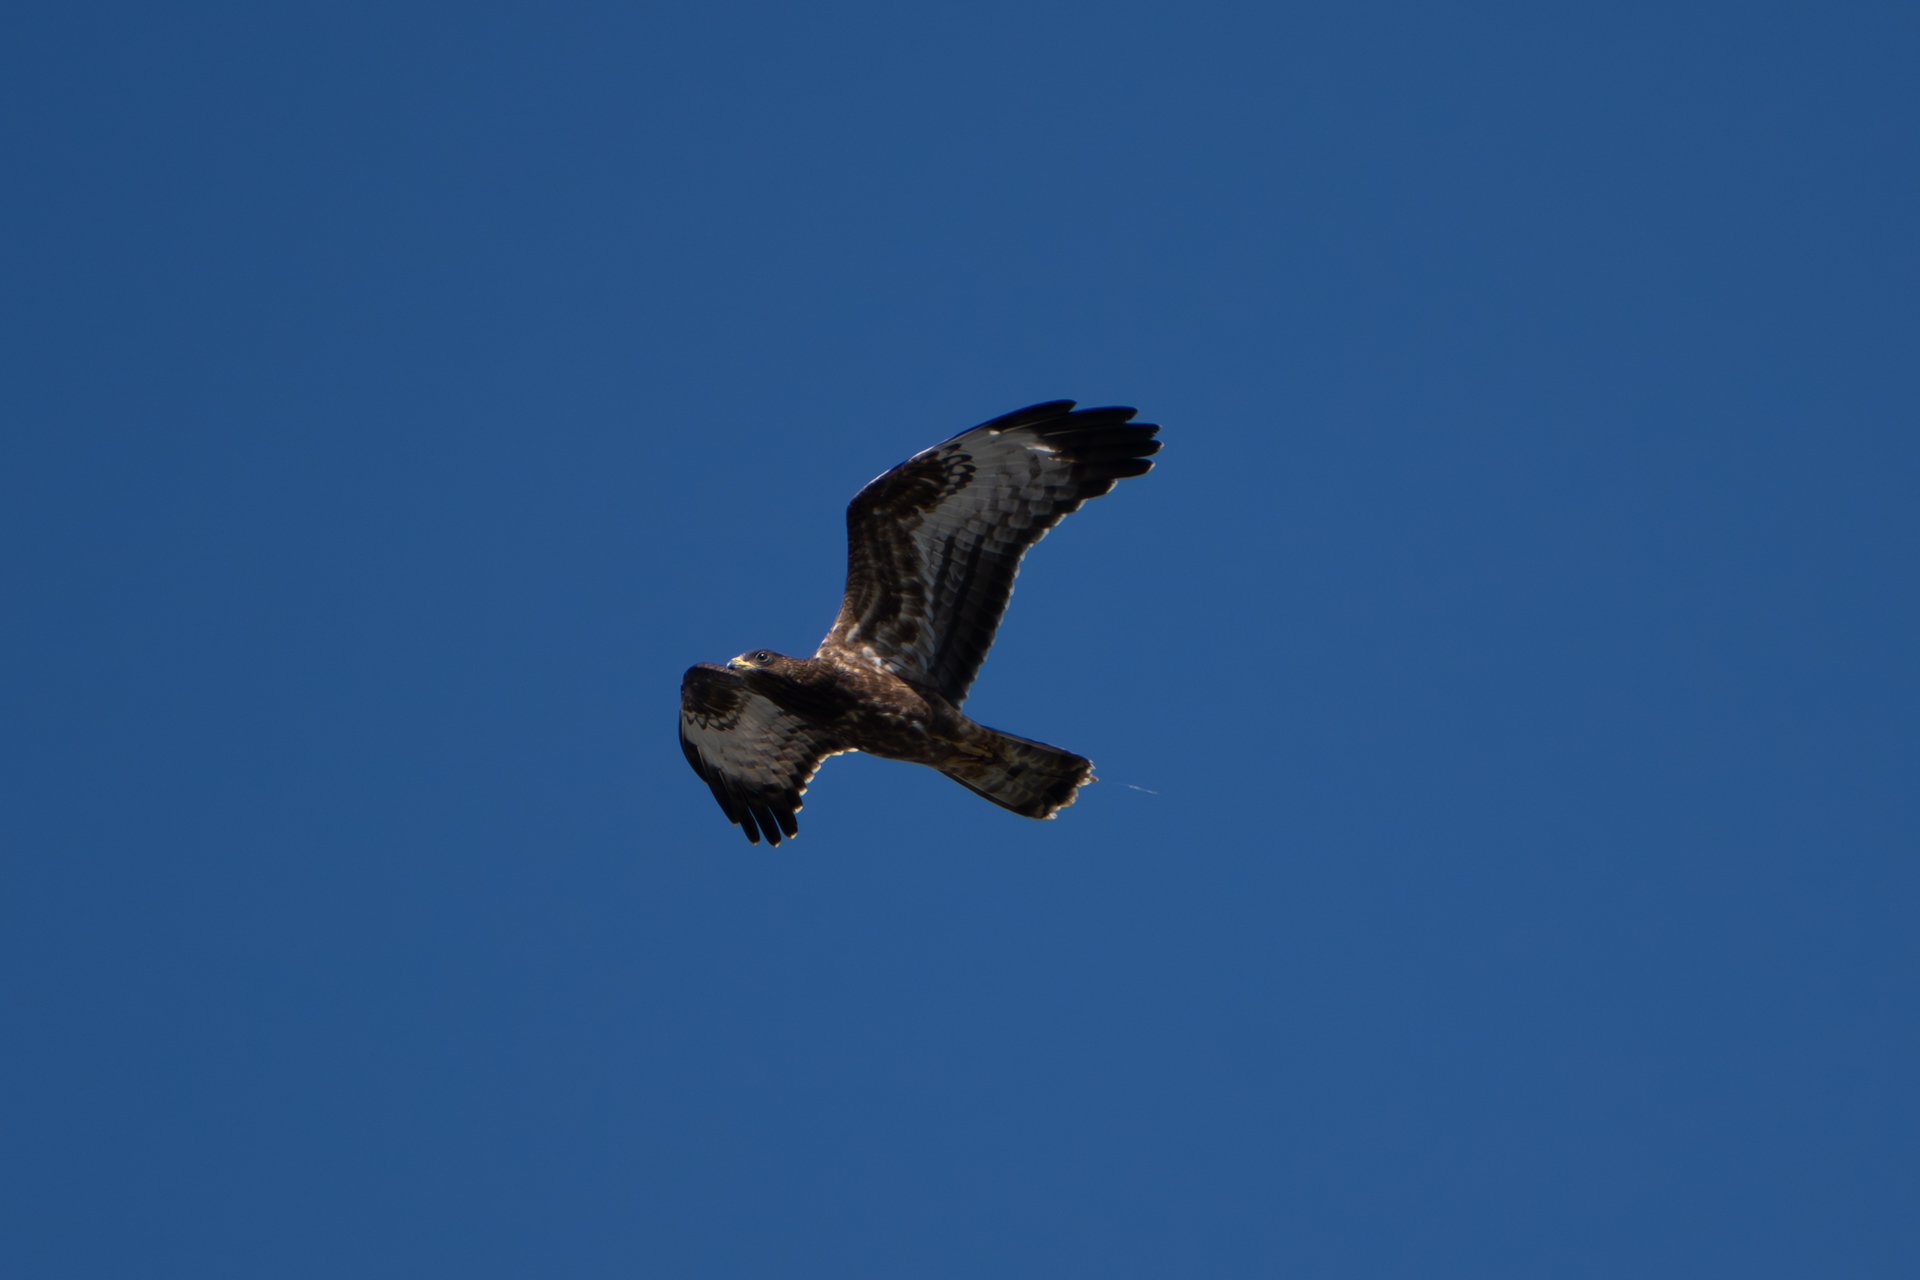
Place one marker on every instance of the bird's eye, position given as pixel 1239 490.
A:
pixel 763 656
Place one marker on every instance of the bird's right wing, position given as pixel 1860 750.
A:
pixel 756 758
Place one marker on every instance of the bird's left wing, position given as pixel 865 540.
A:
pixel 933 545
pixel 756 758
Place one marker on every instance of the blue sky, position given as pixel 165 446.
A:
pixel 1512 652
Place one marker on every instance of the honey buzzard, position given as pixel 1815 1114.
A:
pixel 932 549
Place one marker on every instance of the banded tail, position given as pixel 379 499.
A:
pixel 1030 778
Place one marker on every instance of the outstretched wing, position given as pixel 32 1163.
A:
pixel 757 758
pixel 934 544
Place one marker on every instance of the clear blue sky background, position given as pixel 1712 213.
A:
pixel 1516 642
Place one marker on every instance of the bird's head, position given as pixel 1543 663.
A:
pixel 754 661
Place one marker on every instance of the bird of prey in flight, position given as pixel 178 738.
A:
pixel 932 549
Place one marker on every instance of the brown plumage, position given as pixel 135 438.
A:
pixel 932 550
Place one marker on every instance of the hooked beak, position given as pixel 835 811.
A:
pixel 734 664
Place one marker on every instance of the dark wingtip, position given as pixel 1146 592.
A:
pixel 1042 412
pixel 769 825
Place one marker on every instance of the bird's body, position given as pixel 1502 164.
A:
pixel 933 547
pixel 857 703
